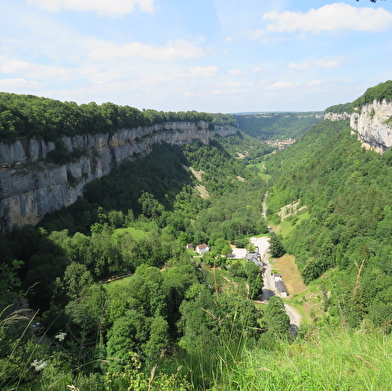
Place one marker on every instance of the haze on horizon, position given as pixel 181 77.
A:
pixel 211 55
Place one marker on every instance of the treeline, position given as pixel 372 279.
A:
pixel 340 109
pixel 379 93
pixel 273 126
pixel 49 119
pixel 346 240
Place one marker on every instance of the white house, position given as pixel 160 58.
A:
pixel 202 248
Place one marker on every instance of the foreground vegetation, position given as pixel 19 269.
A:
pixel 172 320
pixel 190 323
pixel 324 359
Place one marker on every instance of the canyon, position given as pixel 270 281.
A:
pixel 32 185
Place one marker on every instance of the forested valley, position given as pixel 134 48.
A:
pixel 277 126
pixel 123 304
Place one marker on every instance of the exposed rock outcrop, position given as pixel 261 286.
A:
pixel 371 122
pixel 336 116
pixel 30 186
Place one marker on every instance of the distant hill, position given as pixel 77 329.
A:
pixel 274 126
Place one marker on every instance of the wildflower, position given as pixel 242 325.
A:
pixel 61 336
pixel 39 365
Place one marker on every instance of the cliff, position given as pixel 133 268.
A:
pixel 371 122
pixel 336 116
pixel 31 185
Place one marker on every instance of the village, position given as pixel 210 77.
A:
pixel 273 282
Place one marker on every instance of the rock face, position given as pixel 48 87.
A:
pixel 370 124
pixel 30 187
pixel 336 116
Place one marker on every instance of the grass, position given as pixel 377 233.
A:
pixel 322 360
pixel 116 283
pixel 260 166
pixel 135 233
pixel 287 267
pixel 265 177
pixel 285 227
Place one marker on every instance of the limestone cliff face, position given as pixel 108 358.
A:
pixel 30 187
pixel 336 116
pixel 370 124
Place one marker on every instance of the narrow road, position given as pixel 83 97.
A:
pixel 269 288
pixel 295 318
pixel 262 244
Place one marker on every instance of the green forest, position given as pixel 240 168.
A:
pixel 277 126
pixel 346 190
pixel 49 119
pixel 106 295
pixel 171 309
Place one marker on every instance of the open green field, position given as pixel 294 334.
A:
pixel 285 227
pixel 260 166
pixel 116 283
pixel 135 233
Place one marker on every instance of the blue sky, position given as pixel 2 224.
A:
pixel 206 55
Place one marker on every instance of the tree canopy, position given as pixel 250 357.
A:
pixel 49 119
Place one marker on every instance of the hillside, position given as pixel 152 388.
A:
pixel 124 302
pixel 277 126
pixel 50 150
pixel 346 190
pixel 135 222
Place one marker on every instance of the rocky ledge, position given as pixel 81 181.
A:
pixel 31 185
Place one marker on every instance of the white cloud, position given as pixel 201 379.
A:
pixel 282 84
pixel 18 84
pixel 299 67
pixel 331 17
pixel 203 71
pixel 230 84
pixel 314 83
pixel 179 49
pixel 326 62
pixel 237 72
pixel 112 7
pixel 229 39
pixel 31 70
pixel 229 88
pixel 257 69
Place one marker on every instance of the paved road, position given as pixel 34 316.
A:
pixel 269 288
pixel 295 318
